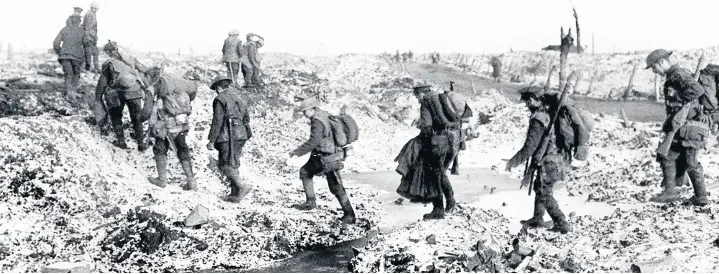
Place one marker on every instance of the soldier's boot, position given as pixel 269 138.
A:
pixel 139 136
pixel 119 138
pixel 236 182
pixel 537 219
pixel 437 209
pixel 161 164
pixel 669 182
pixel 700 191
pixel 560 222
pixel 187 168
pixel 310 202
pixel 449 194
pixel 338 189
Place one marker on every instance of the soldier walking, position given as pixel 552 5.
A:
pixel 68 46
pixel 680 89
pixel 229 132
pixel 325 158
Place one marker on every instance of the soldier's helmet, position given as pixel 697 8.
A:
pixel 234 32
pixel 95 5
pixel 308 104
pixel 526 92
pixel 657 55
pixel 219 79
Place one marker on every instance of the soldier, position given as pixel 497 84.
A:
pixel 68 46
pixel 440 139
pixel 229 132
pixel 89 24
pixel 250 63
pixel 231 53
pixel 325 158
pixel 122 83
pixel 551 164
pixel 169 123
pixel 680 88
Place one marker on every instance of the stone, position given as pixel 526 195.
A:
pixel 432 239
pixel 199 216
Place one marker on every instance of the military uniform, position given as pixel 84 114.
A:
pixel 250 62
pixel 68 46
pixel 89 24
pixel 229 131
pixel 680 88
pixel 440 143
pixel 231 54
pixel 167 128
pixel 322 147
pixel 551 166
pixel 118 94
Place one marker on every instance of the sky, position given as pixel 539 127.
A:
pixel 324 27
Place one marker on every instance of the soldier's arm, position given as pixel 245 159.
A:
pixel 425 117
pixel 317 129
pixel 534 136
pixel 217 120
pixel 58 41
pixel 100 88
pixel 238 49
pixel 689 89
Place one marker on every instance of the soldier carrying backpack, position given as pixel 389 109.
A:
pixel 169 124
pixel 328 136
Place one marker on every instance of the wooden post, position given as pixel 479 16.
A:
pixel 564 48
pixel 472 65
pixel 591 81
pixel 592 43
pixel 657 90
pixel 548 84
pixel 471 84
pixel 9 52
pixel 579 41
pixel 630 87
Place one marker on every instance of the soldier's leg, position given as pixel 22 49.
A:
pixel 560 221
pixel 247 72
pixel 235 71
pixel 334 181
pixel 307 173
pixel 183 153
pixel 135 107
pixel 537 219
pixel 160 151
pixel 669 181
pixel 696 174
pixel 116 119
pixel 449 195
pixel 436 170
pixel 244 187
pixel 88 57
pixel 95 58
pixel 256 75
pixel 77 69
pixel 68 75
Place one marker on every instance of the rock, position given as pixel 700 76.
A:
pixel 666 264
pixel 399 201
pixel 491 190
pixel 65 267
pixel 716 242
pixel 199 216
pixel 570 265
pixel 504 204
pixel 432 239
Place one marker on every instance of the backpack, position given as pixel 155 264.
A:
pixel 124 76
pixel 709 79
pixel 176 99
pixel 344 129
pixel 574 127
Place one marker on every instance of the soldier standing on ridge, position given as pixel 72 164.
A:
pixel 231 54
pixel 680 89
pixel 325 158
pixel 552 163
pixel 89 24
pixel 68 46
pixel 229 132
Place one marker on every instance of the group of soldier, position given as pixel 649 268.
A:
pixel 165 101
pixel 549 151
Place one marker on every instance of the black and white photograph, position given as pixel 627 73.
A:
pixel 319 136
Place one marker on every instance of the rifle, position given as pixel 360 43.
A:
pixel 543 144
pixel 679 119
